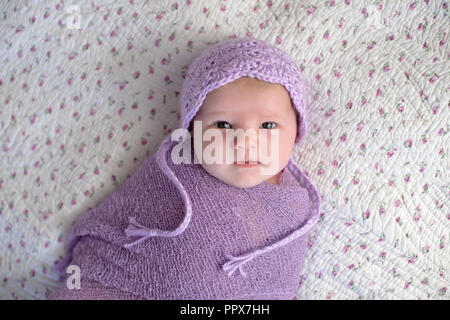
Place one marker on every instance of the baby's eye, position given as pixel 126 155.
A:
pixel 223 125
pixel 269 125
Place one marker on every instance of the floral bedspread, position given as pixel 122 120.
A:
pixel 89 89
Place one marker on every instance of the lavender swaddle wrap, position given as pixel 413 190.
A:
pixel 176 232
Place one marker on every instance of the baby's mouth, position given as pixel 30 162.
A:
pixel 248 163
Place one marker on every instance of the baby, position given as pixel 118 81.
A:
pixel 186 229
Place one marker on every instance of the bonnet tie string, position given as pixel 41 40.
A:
pixel 135 229
pixel 238 263
pixel 235 263
pixel 138 230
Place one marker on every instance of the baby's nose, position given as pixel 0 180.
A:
pixel 247 148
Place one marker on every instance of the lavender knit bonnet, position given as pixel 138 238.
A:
pixel 235 58
pixel 216 66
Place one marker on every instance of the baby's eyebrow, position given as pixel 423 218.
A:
pixel 214 112
pixel 270 114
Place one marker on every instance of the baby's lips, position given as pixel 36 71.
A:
pixel 248 161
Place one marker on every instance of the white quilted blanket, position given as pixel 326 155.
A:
pixel 88 91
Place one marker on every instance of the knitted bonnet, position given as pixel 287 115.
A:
pixel 216 66
pixel 235 58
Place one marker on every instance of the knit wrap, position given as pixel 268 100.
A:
pixel 226 221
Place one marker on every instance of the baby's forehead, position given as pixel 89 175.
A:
pixel 247 94
pixel 251 86
pixel 249 81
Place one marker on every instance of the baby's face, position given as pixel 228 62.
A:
pixel 249 103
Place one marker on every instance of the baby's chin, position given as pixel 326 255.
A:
pixel 243 183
